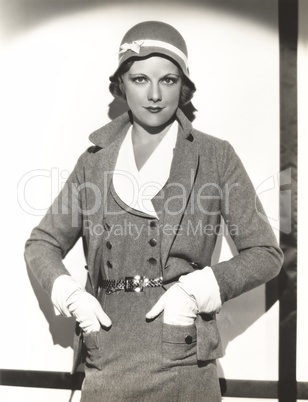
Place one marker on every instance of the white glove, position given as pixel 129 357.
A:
pixel 87 311
pixel 179 308
pixel 203 286
pixel 196 292
pixel 71 299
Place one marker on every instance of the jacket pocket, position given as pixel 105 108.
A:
pixel 209 346
pixel 94 353
pixel 179 345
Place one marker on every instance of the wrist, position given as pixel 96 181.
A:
pixel 63 288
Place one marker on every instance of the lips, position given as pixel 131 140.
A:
pixel 154 109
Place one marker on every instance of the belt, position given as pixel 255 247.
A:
pixel 131 284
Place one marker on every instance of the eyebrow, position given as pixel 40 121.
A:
pixel 165 75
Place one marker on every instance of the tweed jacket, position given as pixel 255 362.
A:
pixel 207 183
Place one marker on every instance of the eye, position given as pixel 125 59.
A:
pixel 139 79
pixel 170 80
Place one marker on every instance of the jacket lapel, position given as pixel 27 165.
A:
pixel 183 171
pixel 101 166
pixel 98 174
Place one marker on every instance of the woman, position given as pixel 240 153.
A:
pixel 147 199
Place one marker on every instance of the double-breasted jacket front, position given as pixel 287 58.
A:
pixel 207 183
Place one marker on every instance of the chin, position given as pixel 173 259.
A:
pixel 156 121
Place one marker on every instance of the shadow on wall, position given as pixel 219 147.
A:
pixel 233 320
pixel 61 328
pixel 19 16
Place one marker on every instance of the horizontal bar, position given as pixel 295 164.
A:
pixel 41 379
pixel 63 380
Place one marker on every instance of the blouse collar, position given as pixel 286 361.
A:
pixel 137 187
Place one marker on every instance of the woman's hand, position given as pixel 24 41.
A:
pixel 71 299
pixel 179 307
pixel 202 285
pixel 87 311
pixel 196 292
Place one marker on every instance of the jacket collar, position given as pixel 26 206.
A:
pixel 117 128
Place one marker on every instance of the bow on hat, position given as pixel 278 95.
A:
pixel 134 47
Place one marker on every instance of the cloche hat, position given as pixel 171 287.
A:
pixel 154 37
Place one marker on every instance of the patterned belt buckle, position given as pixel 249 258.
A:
pixel 134 284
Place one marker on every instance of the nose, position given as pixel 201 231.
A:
pixel 154 93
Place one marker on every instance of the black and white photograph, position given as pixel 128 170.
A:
pixel 153 200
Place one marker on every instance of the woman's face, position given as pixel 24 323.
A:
pixel 152 88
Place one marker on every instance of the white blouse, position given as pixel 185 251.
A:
pixel 137 187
